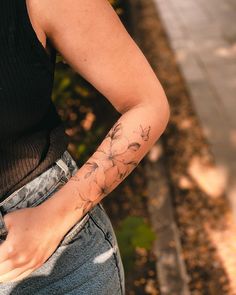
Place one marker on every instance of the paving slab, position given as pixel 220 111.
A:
pixel 203 37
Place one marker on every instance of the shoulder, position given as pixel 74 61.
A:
pixel 92 39
pixel 52 15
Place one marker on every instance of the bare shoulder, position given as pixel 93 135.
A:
pixel 34 12
pixel 70 16
pixel 92 39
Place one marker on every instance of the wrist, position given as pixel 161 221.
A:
pixel 60 209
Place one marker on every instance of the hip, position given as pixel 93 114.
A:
pixel 87 260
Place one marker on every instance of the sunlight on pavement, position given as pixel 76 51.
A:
pixel 211 179
pixel 224 241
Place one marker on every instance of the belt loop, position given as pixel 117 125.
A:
pixel 62 165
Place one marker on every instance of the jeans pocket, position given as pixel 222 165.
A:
pixel 73 234
pixel 103 223
pixel 78 229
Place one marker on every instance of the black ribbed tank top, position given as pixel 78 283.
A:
pixel 32 135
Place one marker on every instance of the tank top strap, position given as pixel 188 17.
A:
pixel 47 58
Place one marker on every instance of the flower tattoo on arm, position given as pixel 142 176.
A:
pixel 113 161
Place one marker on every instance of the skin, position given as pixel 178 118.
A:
pixel 93 41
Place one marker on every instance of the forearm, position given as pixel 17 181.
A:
pixel 127 142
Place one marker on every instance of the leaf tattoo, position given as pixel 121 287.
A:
pixel 134 146
pixel 133 163
pixel 92 168
pixel 145 132
pixel 115 131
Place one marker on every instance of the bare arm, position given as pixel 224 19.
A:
pixel 92 39
pixel 94 42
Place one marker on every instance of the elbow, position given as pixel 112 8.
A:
pixel 165 110
pixel 158 109
pixel 154 107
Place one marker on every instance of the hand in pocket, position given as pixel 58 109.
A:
pixel 32 237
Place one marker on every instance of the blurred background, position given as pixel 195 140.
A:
pixel 175 214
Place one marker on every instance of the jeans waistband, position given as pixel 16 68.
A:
pixel 64 167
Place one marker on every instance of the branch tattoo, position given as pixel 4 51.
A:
pixel 108 166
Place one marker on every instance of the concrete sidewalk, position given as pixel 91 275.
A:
pixel 203 36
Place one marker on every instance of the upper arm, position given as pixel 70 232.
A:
pixel 93 41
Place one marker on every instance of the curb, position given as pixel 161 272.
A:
pixel 171 270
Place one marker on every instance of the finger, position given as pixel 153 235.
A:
pixel 7 277
pixel 16 261
pixel 6 250
pixel 22 275
pixel 7 266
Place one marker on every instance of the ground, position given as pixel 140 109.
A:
pixel 198 213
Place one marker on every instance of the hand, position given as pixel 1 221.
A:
pixel 33 235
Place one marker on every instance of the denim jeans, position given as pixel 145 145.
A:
pixel 87 261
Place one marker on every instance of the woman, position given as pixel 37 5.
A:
pixel 56 236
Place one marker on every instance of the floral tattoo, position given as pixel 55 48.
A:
pixel 113 161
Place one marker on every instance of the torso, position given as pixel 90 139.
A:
pixel 32 134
